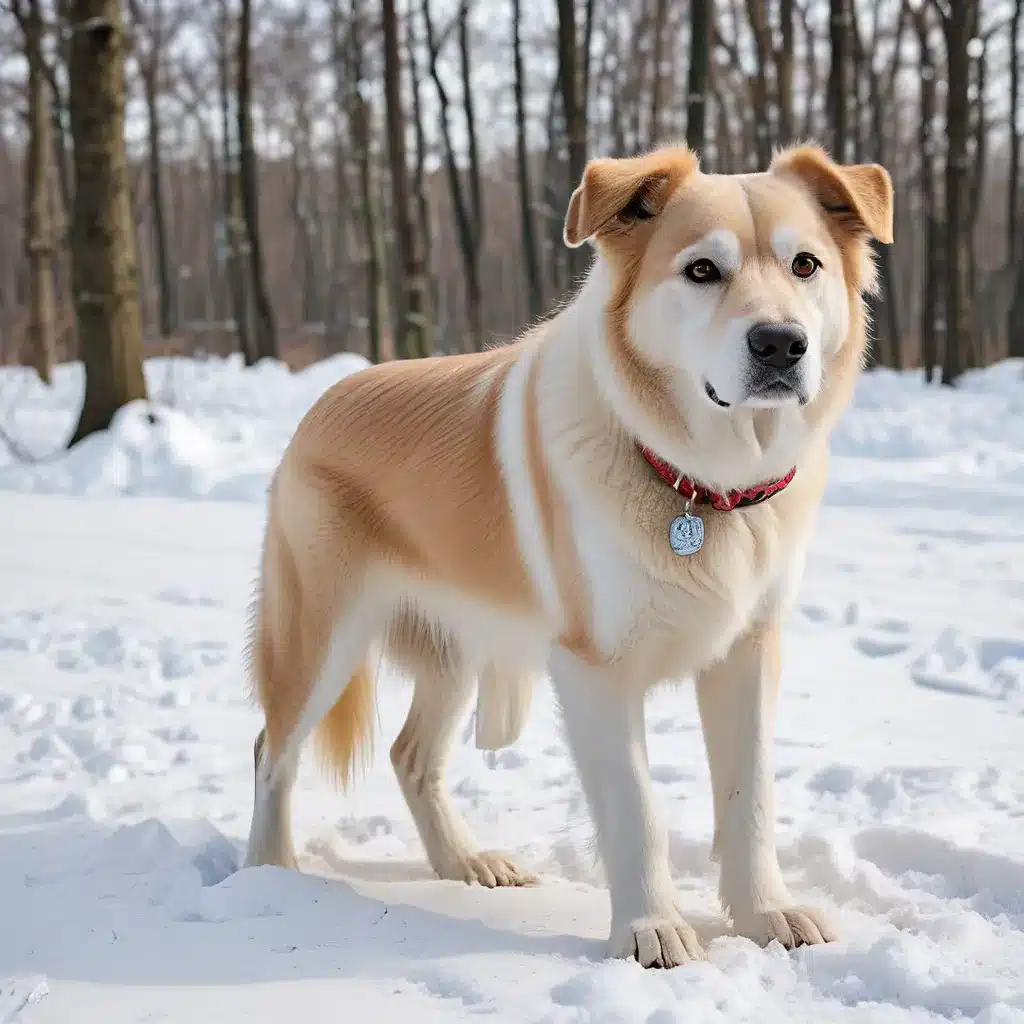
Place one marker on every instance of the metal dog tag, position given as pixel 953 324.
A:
pixel 686 534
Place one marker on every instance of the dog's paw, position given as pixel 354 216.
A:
pixel 792 926
pixel 657 942
pixel 489 868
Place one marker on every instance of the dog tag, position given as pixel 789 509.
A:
pixel 686 534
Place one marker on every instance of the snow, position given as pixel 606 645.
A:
pixel 126 736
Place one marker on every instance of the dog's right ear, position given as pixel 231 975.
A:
pixel 617 195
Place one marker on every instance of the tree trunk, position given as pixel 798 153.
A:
pixel 531 259
pixel 102 233
pixel 238 277
pixel 654 127
pixel 420 189
pixel 959 28
pixel 1012 201
pixel 410 329
pixel 811 89
pixel 784 73
pixel 156 199
pixel 1015 242
pixel 697 82
pixel 932 300
pixel 474 295
pixel 572 111
pixel 41 335
pixel 265 327
pixel 359 116
pixel 757 12
pixel 838 76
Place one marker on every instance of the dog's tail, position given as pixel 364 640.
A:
pixel 344 737
pixel 502 704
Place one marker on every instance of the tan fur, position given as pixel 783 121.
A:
pixel 431 512
pixel 344 737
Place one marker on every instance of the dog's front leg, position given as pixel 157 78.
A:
pixel 737 700
pixel 604 720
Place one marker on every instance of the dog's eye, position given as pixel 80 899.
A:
pixel 805 266
pixel 702 272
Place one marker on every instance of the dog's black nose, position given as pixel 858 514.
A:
pixel 780 346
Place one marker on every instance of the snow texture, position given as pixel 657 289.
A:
pixel 126 736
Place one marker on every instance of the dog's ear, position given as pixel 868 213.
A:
pixel 858 197
pixel 616 195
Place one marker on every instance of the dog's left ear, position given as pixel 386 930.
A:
pixel 859 197
pixel 617 195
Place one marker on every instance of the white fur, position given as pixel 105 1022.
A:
pixel 605 727
pixel 515 468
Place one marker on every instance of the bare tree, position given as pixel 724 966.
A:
pixel 102 232
pixel 354 97
pixel 697 83
pixel 149 38
pixel 419 179
pixel 838 75
pixel 784 55
pixel 573 110
pixel 411 327
pixel 657 74
pixel 1015 242
pixel 959 26
pixel 265 327
pixel 467 214
pixel 39 236
pixel 235 246
pixel 757 12
pixel 531 259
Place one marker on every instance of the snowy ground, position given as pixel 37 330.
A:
pixel 125 744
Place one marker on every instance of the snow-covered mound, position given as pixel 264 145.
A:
pixel 212 428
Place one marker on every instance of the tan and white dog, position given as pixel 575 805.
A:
pixel 587 502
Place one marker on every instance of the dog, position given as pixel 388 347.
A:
pixel 622 496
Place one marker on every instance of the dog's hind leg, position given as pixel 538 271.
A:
pixel 307 656
pixel 442 692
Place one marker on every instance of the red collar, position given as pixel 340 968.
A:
pixel 701 495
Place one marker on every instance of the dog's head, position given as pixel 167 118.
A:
pixel 732 297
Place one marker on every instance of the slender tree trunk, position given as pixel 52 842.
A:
pixel 554 183
pixel 1015 242
pixel 359 114
pixel 237 275
pixel 410 328
pixel 757 12
pixel 265 327
pixel 838 76
pixel 934 242
pixel 812 87
pixel 572 110
pixel 531 260
pixel 1012 200
pixel 657 81
pixel 697 83
pixel 474 295
pixel 156 199
pixel 463 208
pixel 959 27
pixel 784 73
pixel 102 233
pixel 420 187
pixel 41 335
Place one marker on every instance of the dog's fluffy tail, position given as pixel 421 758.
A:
pixel 344 737
pixel 502 704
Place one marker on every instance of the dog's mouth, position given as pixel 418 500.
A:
pixel 777 393
pixel 713 395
